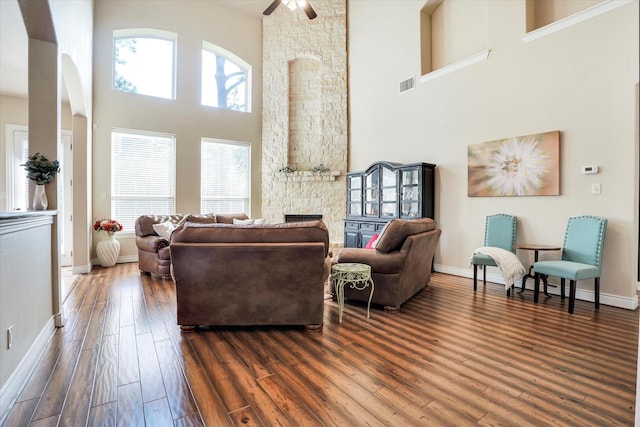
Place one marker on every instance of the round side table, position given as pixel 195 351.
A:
pixel 357 276
pixel 536 249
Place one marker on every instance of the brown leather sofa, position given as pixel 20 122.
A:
pixel 153 250
pixel 250 274
pixel 400 262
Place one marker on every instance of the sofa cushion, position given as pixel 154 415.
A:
pixel 202 218
pixel 257 221
pixel 396 231
pixel 164 229
pixel 372 242
pixel 228 218
pixel 237 221
pixel 144 223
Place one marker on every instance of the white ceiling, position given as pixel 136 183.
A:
pixel 14 42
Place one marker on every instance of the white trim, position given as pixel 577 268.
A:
pixel 18 378
pixel 583 295
pixel 463 63
pixel 9 143
pixel 81 269
pixel 121 260
pixel 574 19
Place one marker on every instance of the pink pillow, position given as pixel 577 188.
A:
pixel 372 242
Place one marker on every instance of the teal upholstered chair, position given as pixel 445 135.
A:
pixel 500 232
pixel 581 257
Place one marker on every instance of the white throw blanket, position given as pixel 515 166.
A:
pixel 511 267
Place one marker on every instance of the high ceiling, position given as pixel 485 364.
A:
pixel 14 41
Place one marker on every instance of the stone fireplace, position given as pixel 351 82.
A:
pixel 302 217
pixel 304 121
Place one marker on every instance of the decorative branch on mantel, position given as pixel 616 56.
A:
pixel 295 175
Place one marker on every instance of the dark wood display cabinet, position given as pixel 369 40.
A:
pixel 383 192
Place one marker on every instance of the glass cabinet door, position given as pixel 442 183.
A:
pixel 372 193
pixel 354 207
pixel 389 189
pixel 410 194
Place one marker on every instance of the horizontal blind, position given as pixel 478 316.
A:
pixel 224 185
pixel 142 175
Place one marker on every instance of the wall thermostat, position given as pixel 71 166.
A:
pixel 588 170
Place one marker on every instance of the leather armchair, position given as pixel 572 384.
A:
pixel 400 262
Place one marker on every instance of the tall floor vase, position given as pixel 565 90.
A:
pixel 108 251
pixel 40 202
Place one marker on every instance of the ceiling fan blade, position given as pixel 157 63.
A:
pixel 272 7
pixel 309 10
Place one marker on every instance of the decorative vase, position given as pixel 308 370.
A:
pixel 108 251
pixel 40 202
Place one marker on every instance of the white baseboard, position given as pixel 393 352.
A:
pixel 14 385
pixel 584 295
pixel 121 259
pixel 81 269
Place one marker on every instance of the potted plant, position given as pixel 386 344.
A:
pixel 42 171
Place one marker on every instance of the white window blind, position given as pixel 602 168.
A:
pixel 142 175
pixel 225 175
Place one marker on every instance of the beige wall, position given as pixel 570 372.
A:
pixel 193 21
pixel 580 81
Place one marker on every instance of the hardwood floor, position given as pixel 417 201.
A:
pixel 449 357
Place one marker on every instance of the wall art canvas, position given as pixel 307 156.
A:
pixel 521 166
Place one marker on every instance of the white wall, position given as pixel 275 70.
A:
pixel 580 81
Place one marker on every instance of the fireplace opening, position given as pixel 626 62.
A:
pixel 302 217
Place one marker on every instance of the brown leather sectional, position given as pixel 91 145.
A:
pixel 250 274
pixel 153 251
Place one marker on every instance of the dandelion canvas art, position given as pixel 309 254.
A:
pixel 521 166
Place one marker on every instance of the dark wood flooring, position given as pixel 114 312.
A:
pixel 449 357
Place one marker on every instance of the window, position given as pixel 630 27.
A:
pixel 17 147
pixel 142 175
pixel 144 62
pixel 225 176
pixel 225 79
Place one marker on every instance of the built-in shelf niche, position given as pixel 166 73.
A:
pixel 544 19
pixel 541 13
pixel 451 31
pixel 305 113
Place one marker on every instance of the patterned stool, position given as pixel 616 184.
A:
pixel 357 276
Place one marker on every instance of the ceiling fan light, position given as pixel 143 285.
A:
pixel 291 4
pixel 301 3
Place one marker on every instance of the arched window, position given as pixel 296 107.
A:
pixel 144 62
pixel 226 79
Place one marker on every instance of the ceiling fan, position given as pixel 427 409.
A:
pixel 292 4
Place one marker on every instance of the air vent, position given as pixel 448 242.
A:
pixel 405 85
